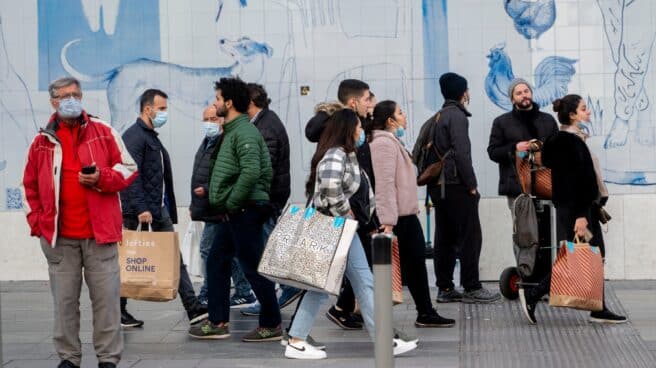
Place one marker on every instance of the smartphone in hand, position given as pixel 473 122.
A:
pixel 89 169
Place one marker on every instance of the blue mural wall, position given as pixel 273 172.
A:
pixel 435 34
pixel 109 33
pixel 601 49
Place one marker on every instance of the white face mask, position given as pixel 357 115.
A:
pixel 211 129
pixel 70 108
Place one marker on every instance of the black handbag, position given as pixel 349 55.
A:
pixel 603 215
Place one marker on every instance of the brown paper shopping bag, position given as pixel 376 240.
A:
pixel 150 265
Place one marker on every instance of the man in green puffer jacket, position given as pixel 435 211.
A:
pixel 239 188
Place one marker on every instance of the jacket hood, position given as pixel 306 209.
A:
pixel 328 107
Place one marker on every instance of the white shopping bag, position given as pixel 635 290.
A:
pixel 190 248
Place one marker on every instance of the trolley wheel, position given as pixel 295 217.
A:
pixel 508 283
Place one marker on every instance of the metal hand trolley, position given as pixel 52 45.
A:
pixel 510 279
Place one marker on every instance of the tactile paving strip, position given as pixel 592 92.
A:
pixel 498 335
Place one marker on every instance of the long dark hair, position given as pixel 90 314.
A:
pixel 383 111
pixel 338 132
pixel 565 106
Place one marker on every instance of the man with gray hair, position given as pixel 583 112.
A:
pixel 74 170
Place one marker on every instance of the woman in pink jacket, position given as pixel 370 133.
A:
pixel 397 206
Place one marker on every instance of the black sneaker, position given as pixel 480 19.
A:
pixel 528 307
pixel 197 314
pixel 127 320
pixel 432 319
pixel 449 296
pixel 357 317
pixel 67 364
pixel 106 365
pixel 342 319
pixel 606 316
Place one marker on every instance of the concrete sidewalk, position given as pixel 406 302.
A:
pixel 163 342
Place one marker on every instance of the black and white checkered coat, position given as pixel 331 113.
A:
pixel 338 178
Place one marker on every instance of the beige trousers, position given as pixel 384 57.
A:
pixel 67 262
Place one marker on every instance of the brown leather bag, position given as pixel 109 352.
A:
pixel 541 174
pixel 433 171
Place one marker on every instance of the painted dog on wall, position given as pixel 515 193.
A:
pixel 182 84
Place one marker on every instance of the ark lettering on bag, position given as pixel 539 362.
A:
pixel 315 246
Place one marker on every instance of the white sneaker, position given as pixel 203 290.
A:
pixel 303 350
pixel 401 347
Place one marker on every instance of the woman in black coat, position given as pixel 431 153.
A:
pixel 576 194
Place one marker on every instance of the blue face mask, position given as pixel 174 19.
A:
pixel 69 108
pixel 400 132
pixel 360 140
pixel 160 119
pixel 211 129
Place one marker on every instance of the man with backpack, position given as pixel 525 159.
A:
pixel 455 194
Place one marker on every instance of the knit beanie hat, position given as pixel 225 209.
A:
pixel 453 86
pixel 514 83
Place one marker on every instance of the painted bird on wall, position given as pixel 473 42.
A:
pixel 531 17
pixel 552 76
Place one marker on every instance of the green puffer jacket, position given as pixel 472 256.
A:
pixel 241 172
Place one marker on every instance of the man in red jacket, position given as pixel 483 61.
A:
pixel 75 168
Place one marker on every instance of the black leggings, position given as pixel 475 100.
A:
pixel 412 252
pixel 565 219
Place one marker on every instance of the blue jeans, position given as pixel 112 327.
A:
pixel 362 281
pixel 242 287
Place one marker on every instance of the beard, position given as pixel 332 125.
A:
pixel 524 104
pixel 221 111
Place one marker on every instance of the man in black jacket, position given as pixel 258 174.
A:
pixel 511 133
pixel 510 136
pixel 458 227
pixel 150 198
pixel 277 141
pixel 200 209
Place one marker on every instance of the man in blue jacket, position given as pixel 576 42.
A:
pixel 150 199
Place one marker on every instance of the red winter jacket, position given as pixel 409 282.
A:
pixel 99 144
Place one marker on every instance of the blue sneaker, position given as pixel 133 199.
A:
pixel 237 301
pixel 253 310
pixel 288 296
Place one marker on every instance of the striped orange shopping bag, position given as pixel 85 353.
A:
pixel 577 277
pixel 397 284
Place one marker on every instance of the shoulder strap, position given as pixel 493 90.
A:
pixel 432 134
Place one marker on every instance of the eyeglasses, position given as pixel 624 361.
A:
pixel 75 95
